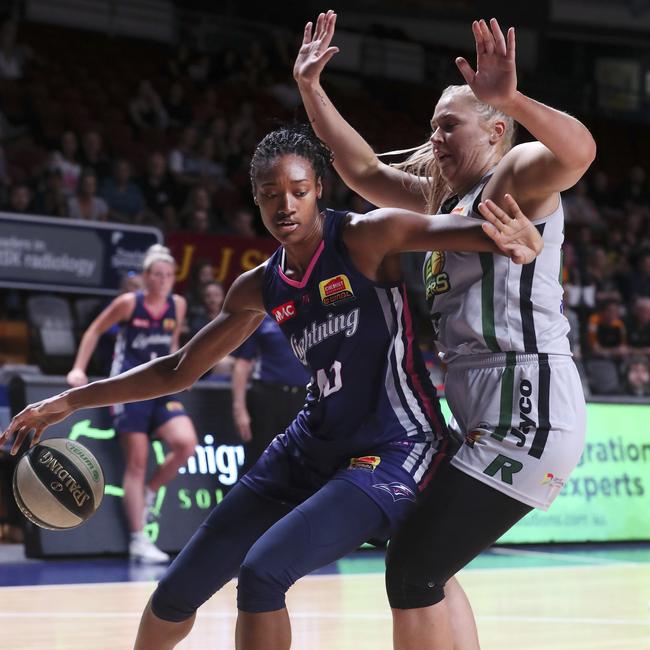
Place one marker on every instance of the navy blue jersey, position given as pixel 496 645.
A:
pixel 369 384
pixel 145 336
pixel 274 360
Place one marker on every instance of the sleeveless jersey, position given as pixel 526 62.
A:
pixel 482 303
pixel 145 336
pixel 369 383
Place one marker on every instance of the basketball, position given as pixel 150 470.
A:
pixel 58 484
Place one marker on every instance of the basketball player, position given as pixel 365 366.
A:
pixel 150 322
pixel 370 436
pixel 511 384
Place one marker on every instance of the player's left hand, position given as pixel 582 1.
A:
pixel 512 231
pixel 495 79
pixel 36 417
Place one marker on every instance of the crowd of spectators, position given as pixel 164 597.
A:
pixel 164 138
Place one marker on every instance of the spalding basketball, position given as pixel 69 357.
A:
pixel 58 484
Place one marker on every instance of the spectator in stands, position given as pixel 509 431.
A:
pixel 241 223
pixel 212 297
pixel 4 177
pixel 204 168
pixel 67 161
pixel 178 109
pixel 86 204
pixel 179 64
pixel 638 326
pixel 181 154
pixel 94 156
pixel 606 331
pixel 20 199
pixel 198 199
pixel 199 222
pixel 218 131
pixel 51 199
pixel 200 70
pixel 146 109
pixel 602 194
pixel 637 376
pixel 13 57
pixel 202 273
pixel 601 275
pixel 123 196
pixel 579 209
pixel 634 190
pixel 158 187
pixel 639 281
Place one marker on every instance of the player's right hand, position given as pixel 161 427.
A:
pixel 36 417
pixel 76 377
pixel 315 50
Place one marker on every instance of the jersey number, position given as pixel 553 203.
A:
pixel 329 381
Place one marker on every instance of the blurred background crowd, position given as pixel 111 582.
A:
pixel 99 127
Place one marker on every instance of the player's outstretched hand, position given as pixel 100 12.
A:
pixel 315 50
pixel 36 417
pixel 495 79
pixel 511 231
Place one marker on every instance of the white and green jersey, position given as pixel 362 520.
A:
pixel 481 303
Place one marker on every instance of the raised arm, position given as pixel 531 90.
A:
pixel 354 159
pixel 565 147
pixel 243 311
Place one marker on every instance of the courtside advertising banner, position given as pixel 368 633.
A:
pixel 55 254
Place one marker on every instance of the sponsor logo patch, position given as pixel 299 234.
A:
pixel 284 312
pixel 365 462
pixel 140 322
pixel 436 281
pixel 336 289
pixel 169 324
pixel 174 406
pixel 398 491
pixel 552 480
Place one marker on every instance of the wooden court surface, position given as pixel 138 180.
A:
pixel 582 607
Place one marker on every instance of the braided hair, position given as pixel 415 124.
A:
pixel 297 139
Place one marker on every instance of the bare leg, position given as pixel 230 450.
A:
pixel 263 631
pixel 178 433
pixel 136 448
pixel 156 634
pixel 461 615
pixel 423 628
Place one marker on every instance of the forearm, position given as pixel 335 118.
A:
pixel 239 383
pixel 86 349
pixel 162 376
pixel 565 136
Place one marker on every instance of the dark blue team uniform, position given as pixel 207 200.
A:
pixel 348 468
pixel 145 336
pixel 371 415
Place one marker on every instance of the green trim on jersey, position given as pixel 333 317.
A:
pixel 507 385
pixel 487 301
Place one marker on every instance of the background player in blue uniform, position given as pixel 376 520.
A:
pixel 150 324
pixel 277 389
pixel 370 436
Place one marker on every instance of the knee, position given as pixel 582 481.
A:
pixel 410 584
pixel 136 466
pixel 169 605
pixel 186 448
pixel 259 590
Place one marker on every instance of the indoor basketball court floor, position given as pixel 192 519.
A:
pixel 526 598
